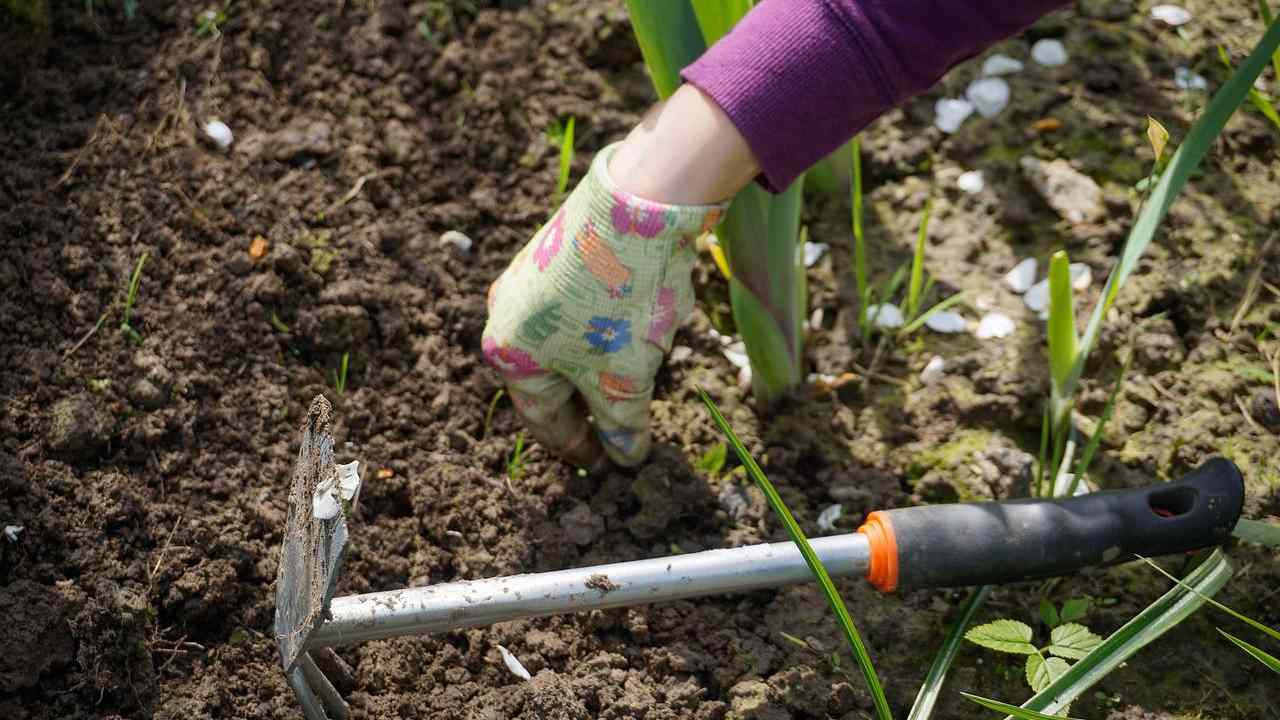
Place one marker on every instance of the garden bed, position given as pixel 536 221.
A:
pixel 150 478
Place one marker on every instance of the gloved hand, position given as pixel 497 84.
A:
pixel 586 311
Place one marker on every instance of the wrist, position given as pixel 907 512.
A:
pixel 685 151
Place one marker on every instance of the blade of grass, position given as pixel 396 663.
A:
pixel 566 158
pixel 1012 710
pixel 1158 618
pixel 939 307
pixel 810 557
pixel 1095 440
pixel 1255 97
pixel 932 687
pixel 1184 161
pixel 859 241
pixel 917 264
pixel 1258 653
pixel 1266 22
pixel 132 294
pixel 1239 616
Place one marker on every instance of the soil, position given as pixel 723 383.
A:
pixel 149 468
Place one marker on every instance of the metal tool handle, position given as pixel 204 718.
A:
pixel 1000 542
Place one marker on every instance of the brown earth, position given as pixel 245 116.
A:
pixel 150 473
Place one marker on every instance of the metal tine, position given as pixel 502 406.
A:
pixel 329 696
pixel 311 706
pixel 334 668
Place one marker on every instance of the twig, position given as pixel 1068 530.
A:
pixel 355 190
pixel 97 326
pixel 151 576
pixel 75 162
pixel 1251 290
pixel 1244 410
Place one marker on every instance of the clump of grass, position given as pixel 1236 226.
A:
pixel 797 536
pixel 515 464
pixel 340 375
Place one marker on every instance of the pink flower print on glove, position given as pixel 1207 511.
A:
pixel 549 246
pixel 509 360
pixel 637 219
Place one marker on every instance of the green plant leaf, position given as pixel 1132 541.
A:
pixel 669 39
pixel 717 17
pixel 1049 614
pixel 1258 653
pixel 1041 670
pixel 1158 618
pixel 1158 136
pixel 1063 341
pixel 859 241
pixel 1184 161
pixel 566 158
pixel 919 321
pixel 1259 101
pixel 1266 22
pixel 1072 640
pixel 1075 609
pixel 810 557
pixel 1257 531
pixel 1013 710
pixel 712 461
pixel 1004 635
pixel 931 688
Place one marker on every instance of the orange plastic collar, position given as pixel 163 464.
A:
pixel 883 570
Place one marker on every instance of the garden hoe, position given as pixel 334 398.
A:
pixel 906 548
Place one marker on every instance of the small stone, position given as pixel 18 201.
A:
pixel 11 532
pixel 303 138
pixel 1264 409
pixel 814 252
pixel 219 133
pixel 1022 276
pixel 971 182
pixel 995 325
pixel 146 395
pixel 815 319
pixel 457 240
pixel 1081 276
pixel 946 321
pixel 885 316
pixel 827 518
pixel 1171 15
pixel 1187 80
pixel 1074 195
pixel 1037 298
pixel 736 353
pixel 933 370
pixel 999 64
pixel 749 699
pixel 1049 52
pixel 988 95
pixel 581 525
pixel 949 113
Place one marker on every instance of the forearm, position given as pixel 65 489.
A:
pixel 797 78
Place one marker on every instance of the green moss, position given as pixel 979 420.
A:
pixel 951 454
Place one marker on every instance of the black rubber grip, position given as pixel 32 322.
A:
pixel 1000 542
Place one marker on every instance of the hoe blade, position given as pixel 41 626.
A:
pixel 314 545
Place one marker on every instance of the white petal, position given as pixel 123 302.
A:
pixel 815 320
pixel 949 113
pixel 1081 276
pixel 988 95
pixel 885 316
pixel 744 378
pixel 219 133
pixel 680 353
pixel 513 664
pixel 1049 52
pixel 1171 15
pixel 348 479
pixel 819 378
pixel 1001 65
pixel 971 182
pixel 934 370
pixel 456 239
pixel 11 532
pixel 324 506
pixel 827 520
pixel 737 354
pixel 995 325
pixel 1037 298
pixel 1187 80
pixel 946 322
pixel 1022 276
pixel 813 252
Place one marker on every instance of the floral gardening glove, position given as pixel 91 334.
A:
pixel 587 310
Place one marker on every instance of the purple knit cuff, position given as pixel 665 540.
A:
pixel 795 84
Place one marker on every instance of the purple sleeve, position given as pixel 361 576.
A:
pixel 799 77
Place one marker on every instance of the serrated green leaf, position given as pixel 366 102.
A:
pixel 712 461
pixel 1004 635
pixel 1049 614
pixel 1072 640
pixel 1259 654
pixel 1042 671
pixel 1075 609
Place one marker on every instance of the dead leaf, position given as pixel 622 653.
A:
pixel 385 473
pixel 1044 125
pixel 1158 136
